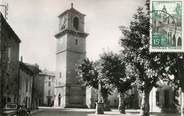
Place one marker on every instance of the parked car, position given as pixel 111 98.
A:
pixel 23 111
pixel 10 109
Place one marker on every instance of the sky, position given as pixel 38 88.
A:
pixel 36 23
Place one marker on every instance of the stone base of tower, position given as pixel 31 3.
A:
pixel 71 106
pixel 70 97
pixel 75 106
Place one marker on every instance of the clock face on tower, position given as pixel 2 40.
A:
pixel 63 23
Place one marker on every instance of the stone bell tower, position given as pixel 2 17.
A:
pixel 70 51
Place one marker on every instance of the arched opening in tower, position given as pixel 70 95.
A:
pixel 76 23
pixel 179 41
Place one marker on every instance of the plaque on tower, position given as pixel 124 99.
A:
pixel 166 22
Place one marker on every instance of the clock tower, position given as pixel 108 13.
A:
pixel 70 51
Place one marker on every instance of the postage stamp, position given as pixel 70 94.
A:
pixel 166 22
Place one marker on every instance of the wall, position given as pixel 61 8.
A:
pixel 10 56
pixel 162 99
pixel 25 95
pixel 38 91
pixel 49 79
pixel 70 51
pixel 91 97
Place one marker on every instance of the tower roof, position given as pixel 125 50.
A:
pixel 71 10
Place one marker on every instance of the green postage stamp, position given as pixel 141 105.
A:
pixel 166 26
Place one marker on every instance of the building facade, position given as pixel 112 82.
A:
pixel 71 50
pixel 132 98
pixel 165 99
pixel 49 88
pixel 37 90
pixel 25 85
pixel 9 61
pixel 29 90
pixel 91 97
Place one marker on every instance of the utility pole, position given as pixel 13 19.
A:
pixel 5 6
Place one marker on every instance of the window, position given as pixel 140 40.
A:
pixel 4 100
pixel 9 54
pixel 76 41
pixel 26 85
pixel 174 40
pixel 49 84
pixel 7 87
pixel 9 99
pixel 76 23
pixel 15 99
pixel 179 41
pixel 60 75
pixel 48 92
pixel 62 23
pixel 157 98
pixel 115 101
pixel 166 98
pixel 59 99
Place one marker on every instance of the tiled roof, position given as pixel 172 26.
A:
pixel 71 10
pixel 10 30
pixel 32 69
pixel 46 72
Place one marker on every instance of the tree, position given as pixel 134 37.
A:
pixel 172 65
pixel 136 49
pixel 114 70
pixel 180 81
pixel 175 69
pixel 90 75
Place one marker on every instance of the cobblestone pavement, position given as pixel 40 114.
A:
pixel 87 112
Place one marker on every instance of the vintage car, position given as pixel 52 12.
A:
pixel 10 109
pixel 23 111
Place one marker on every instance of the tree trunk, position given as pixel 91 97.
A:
pixel 100 104
pixel 121 106
pixel 106 104
pixel 145 104
pixel 182 101
pixel 99 108
pixel 100 99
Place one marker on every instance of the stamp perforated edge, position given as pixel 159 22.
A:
pixel 151 49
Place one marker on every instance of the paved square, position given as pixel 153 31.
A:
pixel 87 112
